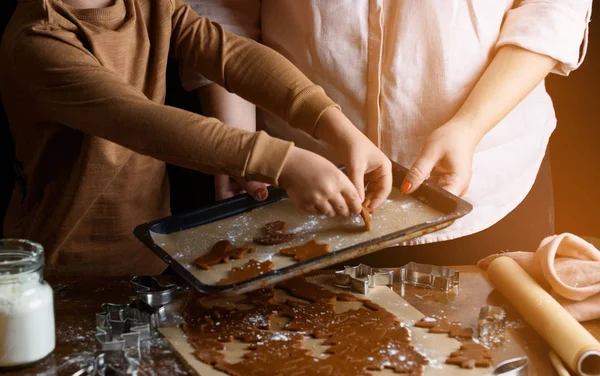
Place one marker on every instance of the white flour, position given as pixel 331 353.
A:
pixel 26 321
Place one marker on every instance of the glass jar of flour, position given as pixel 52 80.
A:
pixel 26 305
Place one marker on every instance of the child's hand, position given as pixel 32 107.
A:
pixel 317 186
pixel 365 163
pixel 227 187
pixel 447 156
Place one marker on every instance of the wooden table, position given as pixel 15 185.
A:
pixel 77 301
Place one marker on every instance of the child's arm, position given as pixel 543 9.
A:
pixel 267 79
pixel 70 87
pixel 246 68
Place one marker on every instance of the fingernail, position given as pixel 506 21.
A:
pixel 260 194
pixel 406 186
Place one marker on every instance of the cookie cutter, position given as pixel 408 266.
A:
pixel 512 367
pixel 149 290
pixel 429 276
pixel 110 363
pixel 491 324
pixel 362 278
pixel 121 326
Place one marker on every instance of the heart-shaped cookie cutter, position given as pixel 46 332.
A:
pixel 362 278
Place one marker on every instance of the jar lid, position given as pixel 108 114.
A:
pixel 20 256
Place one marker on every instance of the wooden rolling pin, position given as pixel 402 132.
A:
pixel 571 341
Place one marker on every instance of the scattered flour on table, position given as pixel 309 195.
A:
pixel 84 340
pixel 516 324
pixel 71 334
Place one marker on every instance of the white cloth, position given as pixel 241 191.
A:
pixel 401 68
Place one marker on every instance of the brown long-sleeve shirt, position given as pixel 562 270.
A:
pixel 84 92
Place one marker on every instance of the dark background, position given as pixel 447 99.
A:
pixel 6 145
pixel 574 147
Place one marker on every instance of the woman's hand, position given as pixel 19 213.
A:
pixel 318 186
pixel 365 163
pixel 227 187
pixel 447 157
pixel 448 151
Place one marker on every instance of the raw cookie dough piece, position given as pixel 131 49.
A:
pixel 426 322
pixel 222 251
pixel 277 227
pixel 248 271
pixel 471 355
pixel 307 251
pixel 454 329
pixel 275 233
pixel 273 239
pixel 365 213
pixel 438 326
pixel 461 333
pixel 445 326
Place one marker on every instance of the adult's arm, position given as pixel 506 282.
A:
pixel 537 37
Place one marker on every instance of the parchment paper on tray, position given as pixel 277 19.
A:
pixel 179 240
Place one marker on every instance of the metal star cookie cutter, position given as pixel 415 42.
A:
pixel 491 324
pixel 362 278
pixel 429 276
pixel 121 326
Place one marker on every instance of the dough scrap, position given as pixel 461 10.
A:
pixel 360 340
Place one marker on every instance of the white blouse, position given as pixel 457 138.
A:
pixel 401 68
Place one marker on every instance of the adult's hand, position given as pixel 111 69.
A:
pixel 448 152
pixel 446 157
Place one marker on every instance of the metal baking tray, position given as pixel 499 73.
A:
pixel 180 239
